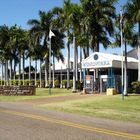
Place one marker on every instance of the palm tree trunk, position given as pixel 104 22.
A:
pixel 2 74
pixel 6 72
pixel 68 63
pixel 74 66
pixel 125 71
pixel 23 64
pixel 76 63
pixel 40 76
pixel 14 69
pixel 61 78
pixel 29 70
pixel 46 73
pixel 96 48
pixel 139 62
pixel 19 70
pixel 10 72
pixel 84 52
pixel 35 71
pixel 80 64
pixel 139 53
pixel 53 71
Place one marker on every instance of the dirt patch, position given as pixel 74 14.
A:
pixel 55 99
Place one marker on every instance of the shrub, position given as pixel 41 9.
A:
pixel 64 83
pixel 1 82
pixel 32 82
pixel 26 82
pixel 15 82
pixel 71 83
pixel 78 85
pixel 37 83
pixel 130 90
pixel 43 83
pixel 20 82
pixel 57 83
pixel 136 87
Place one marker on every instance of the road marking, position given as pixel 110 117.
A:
pixel 71 124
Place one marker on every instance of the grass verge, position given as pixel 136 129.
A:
pixel 110 107
pixel 40 93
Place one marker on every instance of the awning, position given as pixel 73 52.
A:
pixel 104 60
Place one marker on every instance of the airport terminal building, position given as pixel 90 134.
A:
pixel 102 71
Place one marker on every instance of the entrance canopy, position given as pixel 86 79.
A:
pixel 104 60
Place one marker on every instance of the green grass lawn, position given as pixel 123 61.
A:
pixel 110 107
pixel 40 93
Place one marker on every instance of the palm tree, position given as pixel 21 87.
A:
pixel 41 29
pixel 129 38
pixel 56 45
pixel 66 19
pixel 99 22
pixel 5 50
pixel 75 18
pixel 100 15
pixel 132 10
pixel 65 23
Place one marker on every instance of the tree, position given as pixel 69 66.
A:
pixel 40 31
pixel 40 28
pixel 5 50
pixel 100 15
pixel 128 38
pixel 132 10
pixel 75 18
pixel 57 44
pixel 65 26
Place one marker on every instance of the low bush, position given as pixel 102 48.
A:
pixel 14 82
pixel 26 82
pixel 43 83
pixel 1 82
pixel 57 83
pixel 64 83
pixel 71 83
pixel 38 83
pixel 136 87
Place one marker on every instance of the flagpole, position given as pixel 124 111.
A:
pixel 50 37
pixel 122 73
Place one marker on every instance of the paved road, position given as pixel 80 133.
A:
pixel 20 121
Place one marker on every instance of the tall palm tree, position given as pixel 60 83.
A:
pixel 132 10
pixel 129 38
pixel 100 15
pixel 5 50
pixel 66 18
pixel 41 29
pixel 57 45
pixel 65 26
pixel 75 18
